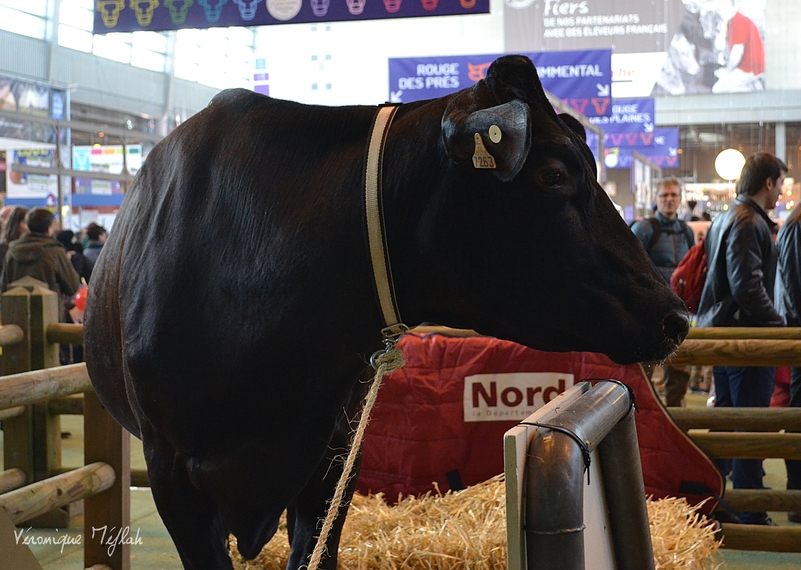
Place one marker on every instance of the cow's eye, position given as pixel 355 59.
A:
pixel 552 177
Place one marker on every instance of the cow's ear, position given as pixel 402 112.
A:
pixel 498 137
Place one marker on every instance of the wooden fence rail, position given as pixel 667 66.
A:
pixel 32 452
pixel 725 346
pixel 746 419
pixel 29 387
pixel 754 437
pixel 42 497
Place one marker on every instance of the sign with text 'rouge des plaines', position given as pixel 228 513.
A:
pixel 582 79
pixel 160 15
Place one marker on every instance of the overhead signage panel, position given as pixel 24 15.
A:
pixel 582 79
pixel 663 150
pixel 670 47
pixel 631 123
pixel 153 15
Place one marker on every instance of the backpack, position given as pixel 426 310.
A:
pixel 656 231
pixel 688 279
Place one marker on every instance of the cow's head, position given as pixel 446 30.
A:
pixel 532 249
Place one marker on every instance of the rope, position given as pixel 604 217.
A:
pixel 387 362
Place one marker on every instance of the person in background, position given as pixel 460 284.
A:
pixel 13 227
pixel 667 239
pixel 72 353
pixel 738 292
pixel 75 252
pixel 96 237
pixel 39 255
pixel 5 212
pixel 689 213
pixel 788 303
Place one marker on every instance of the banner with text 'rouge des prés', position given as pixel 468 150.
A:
pixel 582 79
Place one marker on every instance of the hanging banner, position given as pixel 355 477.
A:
pixel 152 15
pixel 582 79
pixel 670 47
pixel 30 98
pixel 631 123
pixel 27 186
pixel 663 150
pixel 92 192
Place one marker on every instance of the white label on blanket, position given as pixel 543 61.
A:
pixel 511 396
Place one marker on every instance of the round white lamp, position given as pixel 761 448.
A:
pixel 729 163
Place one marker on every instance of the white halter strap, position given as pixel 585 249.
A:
pixel 379 255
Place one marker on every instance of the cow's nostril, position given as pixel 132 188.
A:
pixel 676 325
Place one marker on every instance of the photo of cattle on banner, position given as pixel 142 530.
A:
pixel 243 371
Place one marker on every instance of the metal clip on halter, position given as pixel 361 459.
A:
pixel 392 335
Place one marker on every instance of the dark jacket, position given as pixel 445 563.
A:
pixel 41 257
pixel 672 243
pixel 788 281
pixel 742 269
pixel 92 250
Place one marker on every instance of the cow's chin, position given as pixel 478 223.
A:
pixel 632 343
pixel 645 347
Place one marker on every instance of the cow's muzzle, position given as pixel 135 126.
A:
pixel 676 325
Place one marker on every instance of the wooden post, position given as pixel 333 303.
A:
pixel 18 431
pixel 44 310
pixel 45 428
pixel 106 441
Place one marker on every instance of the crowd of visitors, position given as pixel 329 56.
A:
pixel 753 279
pixel 33 246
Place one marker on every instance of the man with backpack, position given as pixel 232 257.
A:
pixel 667 239
pixel 739 292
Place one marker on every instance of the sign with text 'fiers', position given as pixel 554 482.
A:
pixel 159 15
pixel 582 79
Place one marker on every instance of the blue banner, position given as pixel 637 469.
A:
pixel 582 79
pixel 663 150
pixel 152 15
pixel 628 117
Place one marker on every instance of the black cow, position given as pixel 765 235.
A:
pixel 233 308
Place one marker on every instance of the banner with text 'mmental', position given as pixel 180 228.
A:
pixel 160 15
pixel 582 79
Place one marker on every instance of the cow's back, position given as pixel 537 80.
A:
pixel 218 245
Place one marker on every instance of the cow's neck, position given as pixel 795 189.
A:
pixel 376 234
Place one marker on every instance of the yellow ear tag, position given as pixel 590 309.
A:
pixel 495 134
pixel 482 158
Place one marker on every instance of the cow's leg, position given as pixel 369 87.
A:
pixel 308 509
pixel 190 516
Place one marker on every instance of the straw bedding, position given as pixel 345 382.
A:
pixel 467 530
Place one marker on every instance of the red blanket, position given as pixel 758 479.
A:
pixel 428 428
